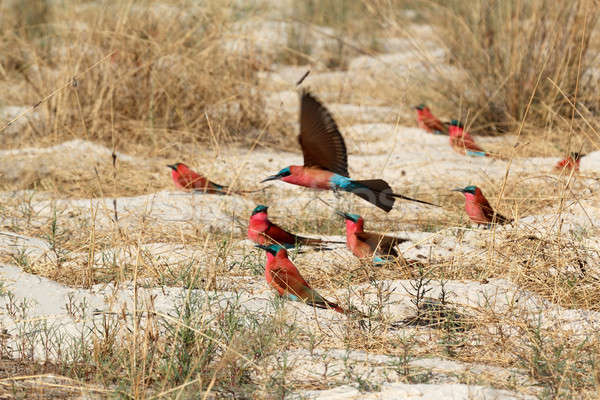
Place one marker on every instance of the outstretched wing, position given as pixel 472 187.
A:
pixel 322 143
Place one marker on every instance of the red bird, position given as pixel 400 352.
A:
pixel 570 163
pixel 284 277
pixel 427 121
pixel 479 209
pixel 462 142
pixel 263 231
pixel 187 179
pixel 326 160
pixel 366 245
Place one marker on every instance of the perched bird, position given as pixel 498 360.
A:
pixel 462 142
pixel 479 209
pixel 571 162
pixel 326 161
pixel 263 231
pixel 187 179
pixel 284 277
pixel 366 245
pixel 427 121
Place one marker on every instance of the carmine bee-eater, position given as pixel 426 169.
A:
pixel 571 162
pixel 462 142
pixel 366 245
pixel 263 231
pixel 479 209
pixel 427 121
pixel 284 277
pixel 185 178
pixel 326 161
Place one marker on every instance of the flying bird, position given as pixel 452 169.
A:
pixel 479 209
pixel 262 231
pixel 367 245
pixel 326 161
pixel 570 163
pixel 187 179
pixel 427 121
pixel 462 142
pixel 284 277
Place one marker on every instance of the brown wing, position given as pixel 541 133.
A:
pixel 322 143
pixel 435 124
pixel 488 211
pixel 386 243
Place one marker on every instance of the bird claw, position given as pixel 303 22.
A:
pixel 336 192
pixel 362 324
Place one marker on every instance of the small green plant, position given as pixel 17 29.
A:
pixel 55 239
pixel 401 363
pixel 362 381
pixel 563 368
pixel 22 259
pixel 253 261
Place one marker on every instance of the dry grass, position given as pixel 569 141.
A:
pixel 513 67
pixel 143 78
pixel 161 87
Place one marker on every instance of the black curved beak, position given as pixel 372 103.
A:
pixel 271 178
pixel 260 246
pixel 459 190
pixel 342 214
pixel 172 166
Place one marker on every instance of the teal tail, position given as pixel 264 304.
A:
pixel 477 153
pixel 381 261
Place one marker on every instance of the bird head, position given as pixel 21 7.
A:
pixel 259 209
pixel 348 216
pixel 471 189
pixel 420 107
pixel 281 174
pixel 456 123
pixel 180 168
pixel 577 156
pixel 271 249
pixel 354 222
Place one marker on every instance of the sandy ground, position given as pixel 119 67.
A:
pixel 416 163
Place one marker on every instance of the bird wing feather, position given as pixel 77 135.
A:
pixel 385 245
pixel 290 281
pixel 294 284
pixel 322 143
pixel 435 124
pixel 279 235
pixel 488 211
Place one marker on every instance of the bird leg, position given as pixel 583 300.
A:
pixel 336 191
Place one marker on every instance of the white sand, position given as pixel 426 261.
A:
pixel 415 163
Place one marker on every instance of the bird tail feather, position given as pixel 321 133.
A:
pixel 379 193
pixel 227 190
pixel 316 241
pixel 319 301
pixel 477 153
pixel 248 191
